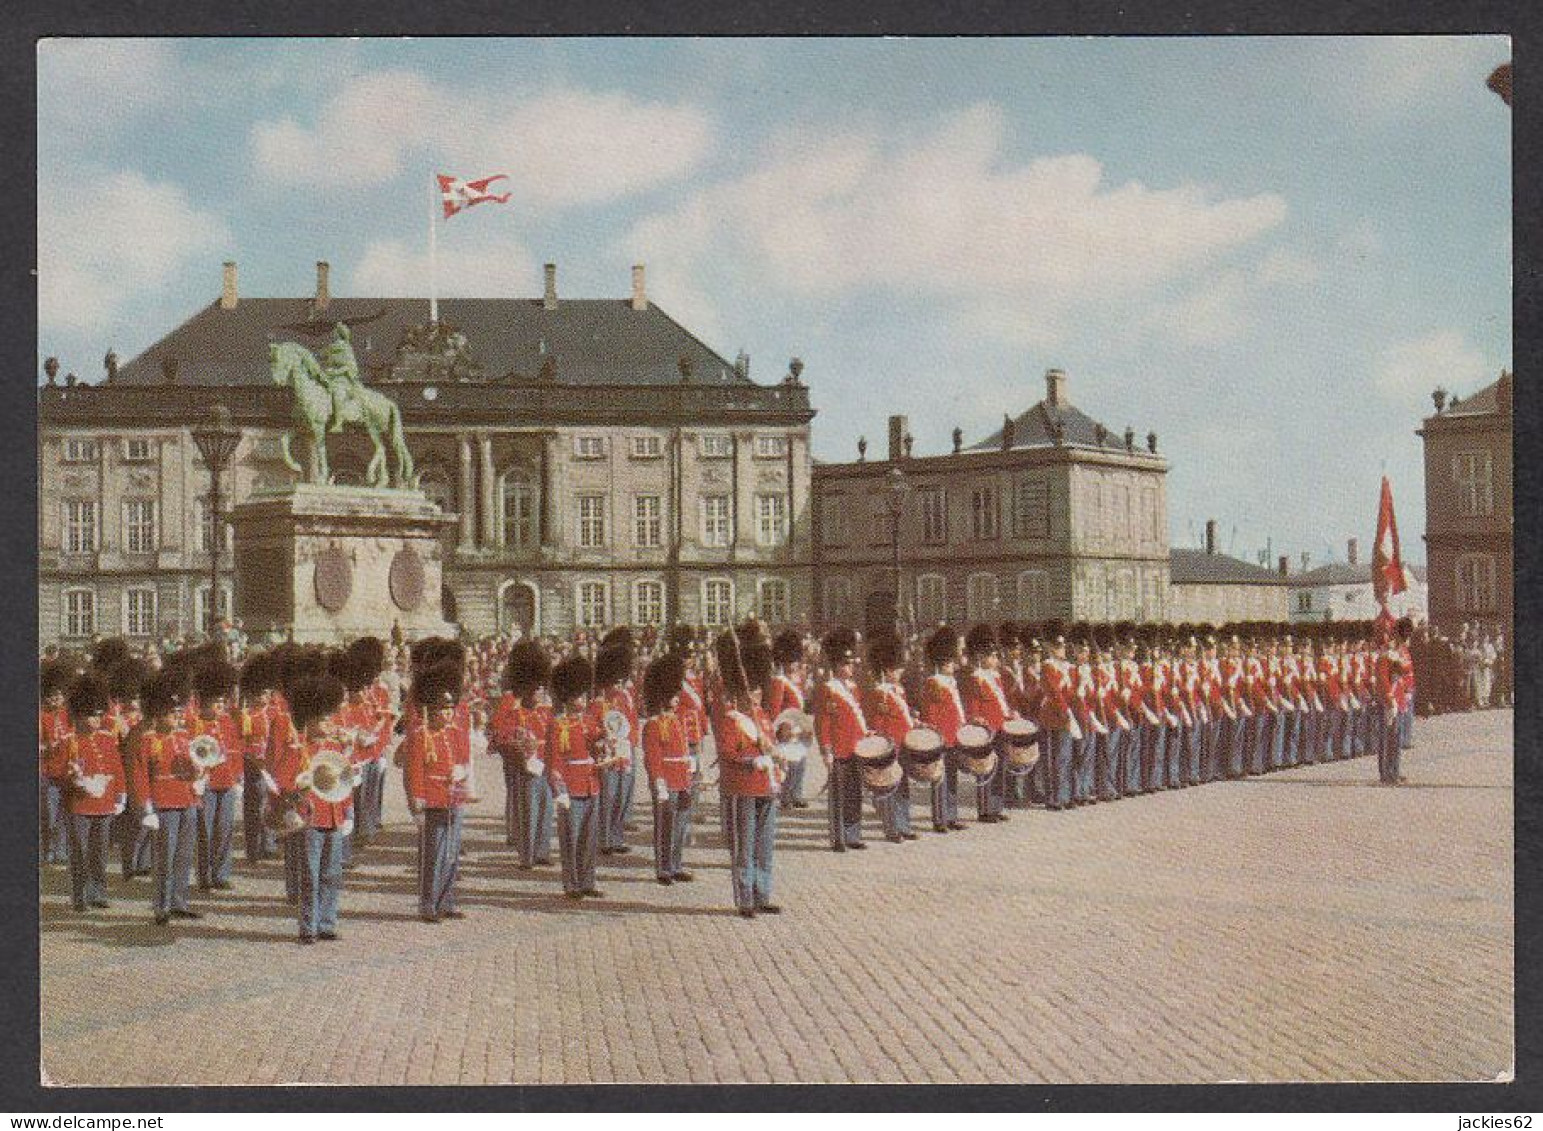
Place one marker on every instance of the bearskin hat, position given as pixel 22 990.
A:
pixel 681 638
pixel 752 631
pixel 612 665
pixel 757 658
pixel 355 671
pixel 884 653
pixel 438 685
pixel 788 647
pixel 1007 635
pixel 980 641
pixel 942 646
pixel 619 637
pixel 300 665
pixel 1055 629
pixel 731 663
pixel 571 678
pixel 839 646
pixel 260 673
pixel 528 668
pixel 214 680
pixel 87 695
pixel 316 699
pixel 1404 628
pixel 109 653
pixel 662 682
pixel 163 692
pixel 125 680
pixel 369 652
pixel 55 678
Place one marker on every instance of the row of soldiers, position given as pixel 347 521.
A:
pixel 299 740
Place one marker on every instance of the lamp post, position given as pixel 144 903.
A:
pixel 897 486
pixel 216 442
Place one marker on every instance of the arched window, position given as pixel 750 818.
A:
pixel 931 599
pixel 981 597
pixel 518 499
pixel 1033 595
pixel 519 607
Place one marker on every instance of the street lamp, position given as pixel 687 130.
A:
pixel 897 486
pixel 216 442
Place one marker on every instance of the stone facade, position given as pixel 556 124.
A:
pixel 1209 587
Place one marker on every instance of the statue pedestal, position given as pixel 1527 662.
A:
pixel 329 564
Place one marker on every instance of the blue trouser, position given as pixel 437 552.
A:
pixel 1390 746
pixel 371 801
pixel 1234 732
pixel 1279 719
pixel 321 880
pixel 1177 750
pixel 216 837
pixel 174 842
pixel 1018 784
pixel 1154 758
pixel 294 855
pixel 1193 740
pixel 512 789
pixel 439 860
pixel 1060 772
pixel 944 793
pixel 1308 725
pixel 752 833
pixel 55 823
pixel 135 842
pixel 612 786
pixel 672 817
pixel 1259 742
pixel 1084 752
pixel 894 808
pixel 1292 753
pixel 793 784
pixel 1131 746
pixel 1356 731
pixel 991 790
pixel 1211 754
pixel 260 841
pixel 1107 760
pixel 1040 784
pixel 629 786
pixel 88 859
pixel 531 796
pixel 577 841
pixel 845 798
pixel 1406 727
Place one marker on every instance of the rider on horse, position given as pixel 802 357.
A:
pixel 340 372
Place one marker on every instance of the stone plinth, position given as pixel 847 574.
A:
pixel 333 563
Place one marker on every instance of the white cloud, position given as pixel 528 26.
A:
pixel 561 147
pixel 90 85
pixel 1015 250
pixel 103 240
pixel 1388 76
pixel 480 269
pixel 1412 369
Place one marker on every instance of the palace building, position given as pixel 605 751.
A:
pixel 603 464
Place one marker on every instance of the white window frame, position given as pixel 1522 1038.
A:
pixel 78 625
pixel 985 512
pixel 592 532
pixel 933 503
pixel 82 536
pixel 778 611
pixel 1473 472
pixel 650 611
pixel 712 616
pixel 715 445
pixel 201 605
pixel 583 608
pixel 771 519
pixel 976 607
pixel 836 600
pixel 1033 594
pixel 528 530
pixel 1475 585
pixel 589 446
pixel 1026 524
pixel 81 449
pixel 128 449
pixel 648 446
pixel 717 530
pixel 140 537
pixel 648 529
pixel 132 591
pixel 931 599
pixel 771 446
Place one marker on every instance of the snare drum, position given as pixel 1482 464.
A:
pixel 873 747
pixel 1022 750
pixel 975 753
pixel 923 749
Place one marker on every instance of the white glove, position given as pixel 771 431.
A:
pixel 236 791
pixel 693 763
pixel 268 782
pixel 347 827
pixel 661 790
pixel 151 820
pixel 123 803
pixel 564 802
pixel 763 762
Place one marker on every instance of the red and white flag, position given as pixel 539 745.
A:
pixel 1388 577
pixel 459 195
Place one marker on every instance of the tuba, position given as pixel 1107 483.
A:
pixel 329 777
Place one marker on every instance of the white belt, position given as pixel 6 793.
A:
pixel 580 762
pixel 687 758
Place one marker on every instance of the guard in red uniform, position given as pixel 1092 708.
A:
pixel 259 679
pixel 88 767
pixel 985 704
pixel 53 724
pixel 367 660
pixel 750 770
pixel 942 709
pixel 215 683
pixel 519 728
pixel 1057 718
pixel 889 713
pixel 315 770
pixel 838 725
pixel 163 783
pixel 611 705
pixel 571 741
pixel 787 694
pixel 667 762
pixel 437 766
pixel 124 682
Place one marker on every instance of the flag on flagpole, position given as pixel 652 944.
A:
pixel 1388 575
pixel 457 195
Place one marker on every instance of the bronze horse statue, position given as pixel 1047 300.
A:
pixel 317 410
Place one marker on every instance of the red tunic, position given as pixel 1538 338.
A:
pixel 941 708
pixel 664 752
pixel 838 719
pixel 430 762
pixel 78 756
pixel 739 750
pixel 984 701
pixel 160 773
pixel 570 757
pixel 615 699
pixel 295 758
pixel 227 730
pixel 785 695
pixel 888 712
pixel 1055 703
pixel 510 720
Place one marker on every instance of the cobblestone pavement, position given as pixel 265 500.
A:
pixel 1310 925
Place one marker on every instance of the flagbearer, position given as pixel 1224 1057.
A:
pixel 667 761
pixel 88 768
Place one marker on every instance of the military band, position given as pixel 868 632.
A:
pixel 297 745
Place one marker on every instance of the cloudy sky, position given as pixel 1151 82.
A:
pixel 1267 251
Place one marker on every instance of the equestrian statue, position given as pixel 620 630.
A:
pixel 328 395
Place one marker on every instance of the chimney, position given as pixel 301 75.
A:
pixel 549 298
pixel 1306 557
pixel 323 292
pixel 1285 565
pixel 228 286
pixel 639 291
pixel 1055 388
pixel 897 431
pixel 1351 549
pixel 1210 536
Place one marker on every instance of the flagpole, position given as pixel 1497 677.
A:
pixel 433 259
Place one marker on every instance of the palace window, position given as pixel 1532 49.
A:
pixel 717 521
pixel 80 530
pixel 1033 595
pixel 983 513
pixel 201 606
pixel 1149 515
pixel 772 601
pixel 137 450
pixel 648 522
pixel 1031 509
pixel 139 612
pixel 591 521
pixel 771 447
pixel 934 507
pixel 518 519
pixel 1476 583
pixel 981 597
pixel 139 526
pixel 717 602
pixel 589 447
pixel 716 445
pixel 594 604
pixel 78 449
pixel 647 447
pixel 79 612
pixel 771 520
pixel 1474 472
pixel 206 528
pixel 931 599
pixel 648 603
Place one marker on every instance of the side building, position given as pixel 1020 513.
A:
pixel 1343 591
pixel 1468 519
pixel 1051 516
pixel 605 466
pixel 1209 587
